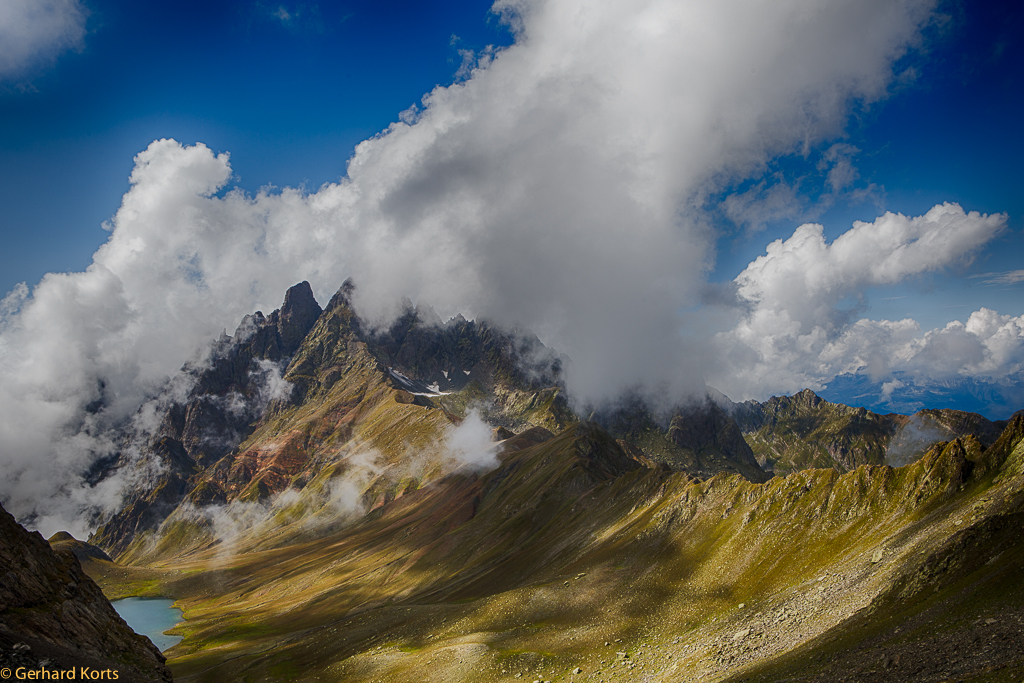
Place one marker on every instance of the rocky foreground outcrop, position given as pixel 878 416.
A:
pixel 52 615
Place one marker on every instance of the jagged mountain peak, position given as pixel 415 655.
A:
pixel 298 314
pixel 807 398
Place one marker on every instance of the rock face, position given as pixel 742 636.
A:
pixel 226 395
pixel 715 439
pixel 791 433
pixel 296 318
pixel 49 604
pixel 700 438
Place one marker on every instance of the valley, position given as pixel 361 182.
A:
pixel 328 501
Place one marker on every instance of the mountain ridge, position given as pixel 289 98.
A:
pixel 421 503
pixel 591 552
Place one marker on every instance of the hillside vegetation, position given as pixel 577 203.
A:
pixel 344 535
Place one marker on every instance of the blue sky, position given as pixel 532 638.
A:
pixel 953 134
pixel 287 88
pixel 290 88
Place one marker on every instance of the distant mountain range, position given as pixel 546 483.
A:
pixel 902 392
pixel 327 500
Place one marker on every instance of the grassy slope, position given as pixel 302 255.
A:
pixel 531 568
pixel 956 616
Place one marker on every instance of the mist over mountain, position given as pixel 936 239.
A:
pixel 492 200
pixel 215 441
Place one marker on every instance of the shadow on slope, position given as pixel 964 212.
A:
pixel 569 544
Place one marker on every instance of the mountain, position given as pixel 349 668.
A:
pixel 571 556
pixel 699 437
pixel 53 615
pixel 222 396
pixel 262 417
pixel 999 397
pixel 791 433
pixel 421 503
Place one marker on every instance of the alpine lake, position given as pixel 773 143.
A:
pixel 150 617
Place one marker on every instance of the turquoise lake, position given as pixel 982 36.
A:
pixel 150 617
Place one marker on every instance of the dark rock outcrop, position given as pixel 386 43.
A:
pixel 296 318
pixel 63 542
pixel 51 610
pixel 228 393
pixel 700 438
pixel 715 440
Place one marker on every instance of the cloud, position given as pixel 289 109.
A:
pixel 1005 278
pixel 803 197
pixel 912 439
pixel 470 445
pixel 763 204
pixel 838 159
pixel 802 327
pixel 34 31
pixel 557 187
pixel 293 17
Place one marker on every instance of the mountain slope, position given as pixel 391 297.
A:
pixel 49 605
pixel 569 544
pixel 954 615
pixel 791 433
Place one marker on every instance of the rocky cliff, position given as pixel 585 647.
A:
pixel 205 412
pixel 52 615
pixel 791 433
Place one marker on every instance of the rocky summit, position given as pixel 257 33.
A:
pixel 326 500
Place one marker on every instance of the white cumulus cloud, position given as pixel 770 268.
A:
pixel 801 328
pixel 33 31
